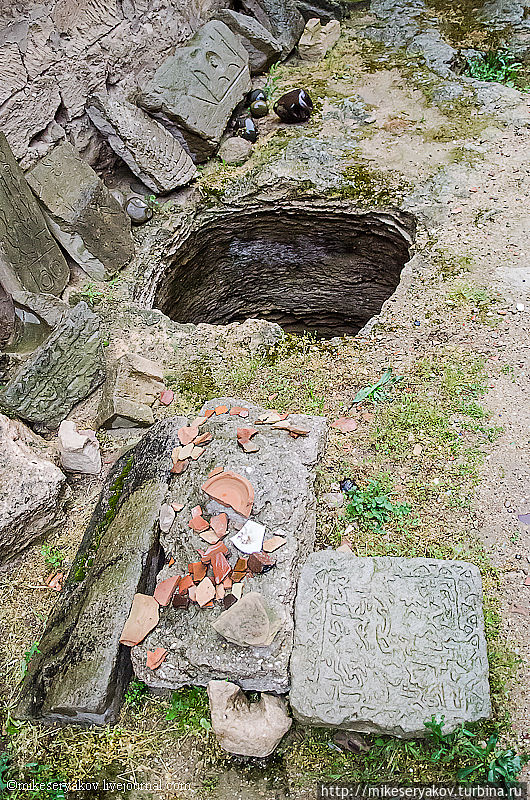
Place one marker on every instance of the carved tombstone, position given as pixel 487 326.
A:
pixel 195 91
pixel 29 256
pixel 382 644
pixel 148 149
pixel 60 373
pixel 81 213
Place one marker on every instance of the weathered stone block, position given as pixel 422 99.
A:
pixel 282 474
pixel 263 49
pixel 29 255
pixel 33 490
pixel 148 149
pixel 317 39
pixel 132 387
pixel 195 90
pixel 81 670
pixel 81 213
pixel 79 450
pixel 60 373
pixel 281 17
pixel 382 644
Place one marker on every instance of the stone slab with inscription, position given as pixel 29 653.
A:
pixel 81 213
pixel 60 373
pixel 382 644
pixel 148 149
pixel 30 258
pixel 194 91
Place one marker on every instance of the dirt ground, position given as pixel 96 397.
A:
pixel 466 292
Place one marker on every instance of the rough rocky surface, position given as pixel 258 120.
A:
pixel 324 10
pixel 235 150
pixel 148 149
pixel 33 490
pixel 194 91
pixel 196 653
pixel 81 213
pixel 60 373
pixel 131 388
pixel 7 317
pixel 263 49
pixel 29 256
pixel 46 307
pixel 81 671
pixel 281 17
pixel 78 450
pixel 54 54
pixel 243 727
pixel 317 39
pixel 382 644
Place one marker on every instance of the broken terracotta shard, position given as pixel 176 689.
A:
pixel 143 617
pixel 155 657
pixel 187 434
pixel 232 490
pixel 219 523
pixel 205 592
pixel 220 566
pixel 166 589
pixel 345 424
pixel 198 524
pixel 166 397
pixel 274 543
pixel 260 562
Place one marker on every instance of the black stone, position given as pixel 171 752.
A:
pixel 347 485
pixel 246 128
pixel 228 601
pixel 138 210
pixel 254 95
pixel 259 108
pixel 294 106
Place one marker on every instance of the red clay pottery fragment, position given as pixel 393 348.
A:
pixel 188 434
pixel 185 452
pixel 260 562
pixel 209 536
pixel 143 617
pixel 219 592
pixel 215 471
pixel 227 583
pixel 239 411
pixel 218 547
pixel 179 467
pixel 204 438
pixel 166 589
pixel 219 523
pixel 232 490
pixel 166 397
pixel 205 592
pixel 345 424
pixel 197 453
pixel 192 591
pixel 181 601
pixel 246 434
pixel 196 511
pixel 155 657
pixel 220 566
pixel 198 524
pixel 220 410
pixel 177 506
pixel 292 429
pixel 198 570
pixel 55 581
pixel 270 418
pixel 250 538
pixel 208 413
pixel 185 584
pixel 249 447
pixel 272 544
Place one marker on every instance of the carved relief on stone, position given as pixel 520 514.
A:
pixel 29 256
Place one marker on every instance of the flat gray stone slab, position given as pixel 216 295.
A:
pixel 282 474
pixel 382 644
pixel 81 213
pixel 148 149
pixel 30 258
pixel 60 373
pixel 195 90
pixel 263 49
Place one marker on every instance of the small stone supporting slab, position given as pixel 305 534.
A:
pixel 29 255
pixel 33 489
pixel 81 670
pixel 81 213
pixel 195 91
pixel 148 149
pixel 60 373
pixel 282 474
pixel 263 49
pixel 317 39
pixel 382 644
pixel 281 17
pixel 131 388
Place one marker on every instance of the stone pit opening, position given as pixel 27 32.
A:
pixel 313 268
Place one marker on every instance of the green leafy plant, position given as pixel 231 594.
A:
pixel 378 392
pixel 28 655
pixel 496 767
pixel 91 294
pixel 53 557
pixel 495 65
pixel 4 767
pixel 271 87
pixel 372 507
pixel 189 709
pixel 136 694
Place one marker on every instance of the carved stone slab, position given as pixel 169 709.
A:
pixel 263 48
pixel 282 474
pixel 382 644
pixel 29 256
pixel 148 149
pixel 197 89
pixel 60 373
pixel 81 213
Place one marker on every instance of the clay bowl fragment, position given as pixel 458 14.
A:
pixel 246 434
pixel 219 523
pixel 188 434
pixel 166 589
pixel 232 490
pixel 143 617
pixel 155 657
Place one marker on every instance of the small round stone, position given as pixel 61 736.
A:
pixel 294 106
pixel 256 94
pixel 138 210
pixel 259 108
pixel 235 150
pixel 246 128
